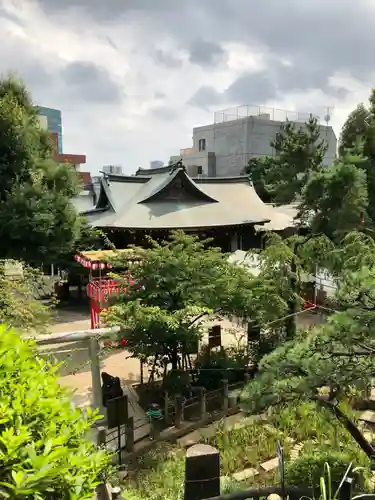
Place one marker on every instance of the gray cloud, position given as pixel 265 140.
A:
pixel 205 53
pixel 91 83
pixel 167 59
pixel 205 96
pixel 260 87
pixel 164 113
pixel 251 88
pixel 305 32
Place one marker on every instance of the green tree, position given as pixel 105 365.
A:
pixel 338 354
pixel 298 151
pixel 176 283
pixel 335 200
pixel 38 221
pixel 355 128
pixel 44 447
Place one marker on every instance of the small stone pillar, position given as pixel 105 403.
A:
pixel 202 472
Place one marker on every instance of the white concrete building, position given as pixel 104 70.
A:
pixel 224 147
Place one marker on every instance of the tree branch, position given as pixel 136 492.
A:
pixel 348 424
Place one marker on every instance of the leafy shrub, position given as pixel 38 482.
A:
pixel 19 304
pixel 306 470
pixel 44 449
pixel 211 367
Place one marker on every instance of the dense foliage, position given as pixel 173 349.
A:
pixel 337 354
pixel 20 294
pixel 38 221
pixel 176 283
pixel 45 452
pixel 298 151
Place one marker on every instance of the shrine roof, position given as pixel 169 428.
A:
pixel 103 255
pixel 167 198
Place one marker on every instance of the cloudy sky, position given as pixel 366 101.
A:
pixel 132 77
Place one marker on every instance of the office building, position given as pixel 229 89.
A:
pixel 224 147
pixel 51 120
pixel 112 169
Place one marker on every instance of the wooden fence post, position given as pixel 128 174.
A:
pixel 166 407
pixel 225 395
pixel 129 435
pixel 179 412
pixel 202 472
pixel 202 401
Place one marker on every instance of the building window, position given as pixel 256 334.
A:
pixel 202 145
pixel 200 170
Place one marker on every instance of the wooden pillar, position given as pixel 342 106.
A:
pixel 225 395
pixel 179 412
pixel 202 472
pixel 166 407
pixel 202 397
pixel 129 434
pixel 234 242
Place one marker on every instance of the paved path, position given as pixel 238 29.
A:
pixel 76 372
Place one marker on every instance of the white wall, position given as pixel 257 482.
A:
pixel 236 141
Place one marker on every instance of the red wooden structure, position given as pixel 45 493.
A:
pixel 101 287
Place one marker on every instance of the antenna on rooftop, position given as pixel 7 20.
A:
pixel 328 115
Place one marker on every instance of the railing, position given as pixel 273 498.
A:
pixel 291 492
pixel 262 112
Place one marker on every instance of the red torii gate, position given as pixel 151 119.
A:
pixel 101 287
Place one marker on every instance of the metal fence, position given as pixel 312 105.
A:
pixel 274 114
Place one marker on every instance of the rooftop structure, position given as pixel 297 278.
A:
pixel 224 147
pixel 167 198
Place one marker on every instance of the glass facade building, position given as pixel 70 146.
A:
pixel 54 123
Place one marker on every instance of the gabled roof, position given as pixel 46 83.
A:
pixel 167 198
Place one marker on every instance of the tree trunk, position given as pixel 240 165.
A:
pixel 174 359
pixel 290 322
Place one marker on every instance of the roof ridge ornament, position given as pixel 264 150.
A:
pixel 176 166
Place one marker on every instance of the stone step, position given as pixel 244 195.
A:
pixel 270 464
pixel 245 474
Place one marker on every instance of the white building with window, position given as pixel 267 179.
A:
pixel 224 147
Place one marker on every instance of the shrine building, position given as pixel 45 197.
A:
pixel 156 201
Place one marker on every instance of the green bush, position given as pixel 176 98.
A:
pixel 44 449
pixel 306 470
pixel 211 367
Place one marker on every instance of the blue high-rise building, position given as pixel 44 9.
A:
pixel 54 123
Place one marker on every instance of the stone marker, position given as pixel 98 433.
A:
pixel 202 472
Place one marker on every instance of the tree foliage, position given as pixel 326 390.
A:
pixel 176 282
pixel 335 200
pixel 338 354
pixel 298 151
pixel 20 306
pixel 354 129
pixel 38 221
pixel 44 449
